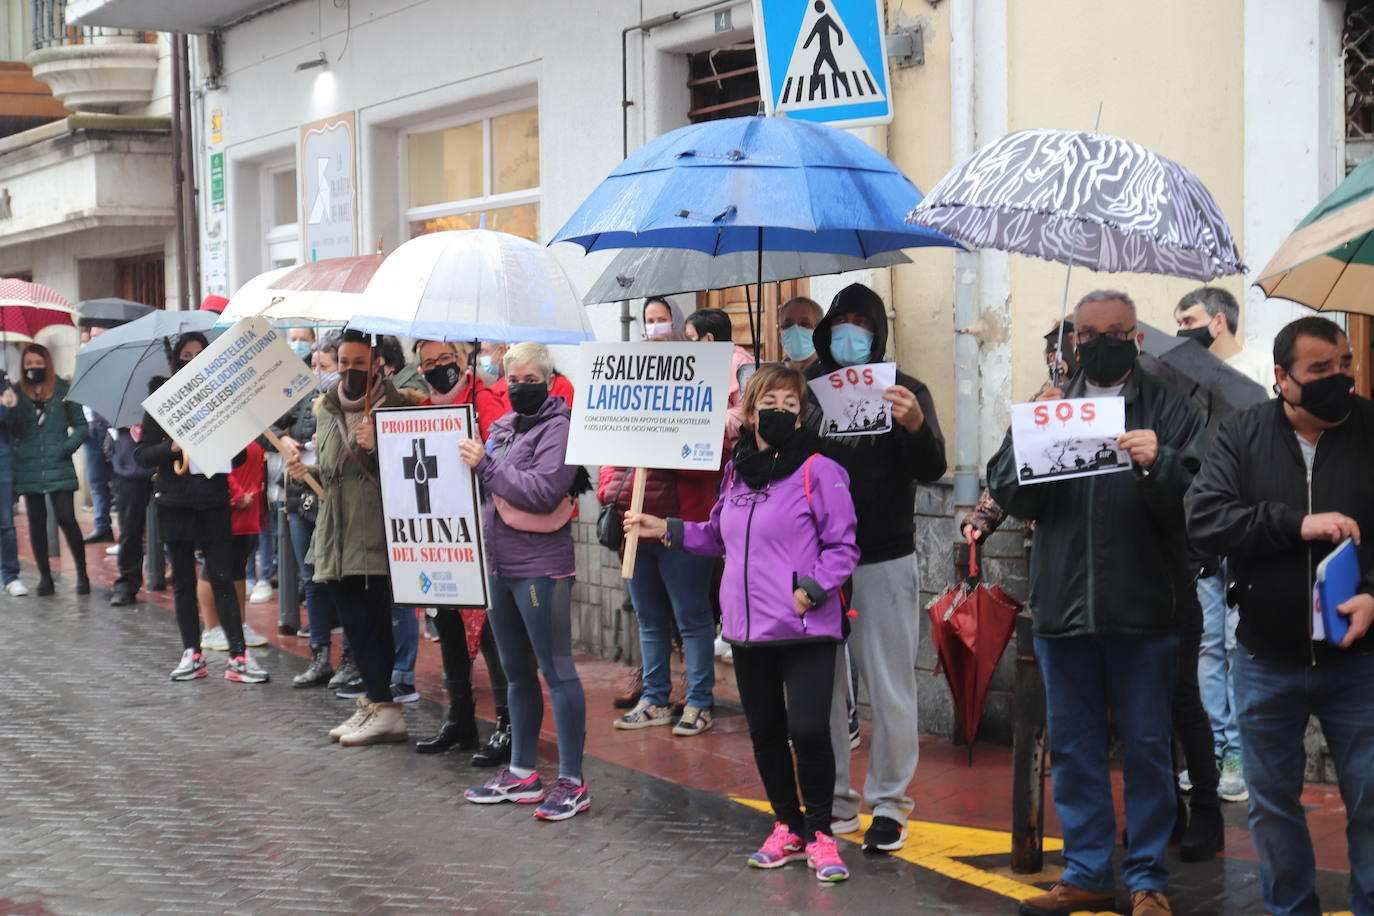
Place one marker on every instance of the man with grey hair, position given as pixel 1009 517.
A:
pixel 1210 315
pixel 1108 569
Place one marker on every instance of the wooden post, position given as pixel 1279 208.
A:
pixel 627 566
pixel 310 481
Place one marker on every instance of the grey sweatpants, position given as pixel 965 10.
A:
pixel 882 642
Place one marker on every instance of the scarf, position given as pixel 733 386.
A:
pixel 760 468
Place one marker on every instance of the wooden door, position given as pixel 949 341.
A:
pixel 733 301
pixel 1362 346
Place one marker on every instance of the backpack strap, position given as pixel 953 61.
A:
pixel 806 477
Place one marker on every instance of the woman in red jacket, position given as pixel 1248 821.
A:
pixel 670 585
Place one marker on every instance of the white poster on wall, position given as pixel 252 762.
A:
pixel 328 204
pixel 651 405
pixel 429 498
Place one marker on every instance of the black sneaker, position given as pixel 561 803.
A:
pixel 884 835
pixel 121 598
pixel 404 693
pixel 352 689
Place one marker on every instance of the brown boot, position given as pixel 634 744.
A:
pixel 360 714
pixel 634 688
pixel 1150 903
pixel 387 724
pixel 1062 899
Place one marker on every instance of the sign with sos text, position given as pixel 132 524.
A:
pixel 1075 437
pixel 852 399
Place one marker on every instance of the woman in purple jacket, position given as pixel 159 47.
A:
pixel 785 523
pixel 525 513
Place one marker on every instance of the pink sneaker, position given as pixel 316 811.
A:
pixel 824 856
pixel 781 847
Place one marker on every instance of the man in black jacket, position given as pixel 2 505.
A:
pixel 1108 571
pixel 883 473
pixel 1282 484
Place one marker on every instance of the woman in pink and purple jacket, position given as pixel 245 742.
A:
pixel 785 523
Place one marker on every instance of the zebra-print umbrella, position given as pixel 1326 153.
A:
pixel 1084 199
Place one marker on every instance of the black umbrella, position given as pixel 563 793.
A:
pixel 110 312
pixel 1189 366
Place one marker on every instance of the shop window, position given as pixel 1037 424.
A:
pixel 282 231
pixel 483 172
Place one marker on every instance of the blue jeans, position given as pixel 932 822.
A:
pixel 667 584
pixel 98 479
pixel 1135 675
pixel 9 541
pixel 532 622
pixel 1273 702
pixel 264 565
pixel 320 612
pixel 405 633
pixel 1213 670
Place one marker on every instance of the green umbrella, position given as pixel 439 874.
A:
pixel 1328 262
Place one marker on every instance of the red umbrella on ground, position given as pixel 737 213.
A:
pixel 27 308
pixel 971 624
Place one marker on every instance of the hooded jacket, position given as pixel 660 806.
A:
pixel 43 450
pixel 524 465
pixel 493 401
pixel 1111 554
pixel 1248 502
pixel 883 470
pixel 797 533
pixel 350 531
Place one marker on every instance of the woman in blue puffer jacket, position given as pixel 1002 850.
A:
pixel 785 523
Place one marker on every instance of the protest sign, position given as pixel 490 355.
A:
pixel 852 399
pixel 429 499
pixel 1057 440
pixel 225 397
pixel 652 405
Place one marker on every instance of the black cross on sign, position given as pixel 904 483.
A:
pixel 420 468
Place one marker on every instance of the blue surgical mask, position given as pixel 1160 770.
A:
pixel 850 344
pixel 301 348
pixel 487 365
pixel 796 342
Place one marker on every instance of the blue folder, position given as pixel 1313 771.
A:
pixel 1338 577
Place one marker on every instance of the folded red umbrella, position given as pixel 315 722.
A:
pixel 971 624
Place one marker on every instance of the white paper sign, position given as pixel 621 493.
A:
pixel 852 399
pixel 651 405
pixel 1075 437
pixel 429 498
pixel 237 387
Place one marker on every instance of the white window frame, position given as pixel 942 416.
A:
pixel 273 236
pixel 488 201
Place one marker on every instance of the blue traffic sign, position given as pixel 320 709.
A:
pixel 823 60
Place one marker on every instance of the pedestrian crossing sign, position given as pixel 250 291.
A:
pixel 823 60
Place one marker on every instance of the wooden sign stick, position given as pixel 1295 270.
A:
pixel 310 480
pixel 627 566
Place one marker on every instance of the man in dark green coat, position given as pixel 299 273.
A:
pixel 1107 571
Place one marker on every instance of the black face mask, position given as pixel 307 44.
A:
pixel 1106 359
pixel 1328 399
pixel 528 397
pixel 443 378
pixel 179 364
pixel 776 426
pixel 353 383
pixel 36 375
pixel 1202 335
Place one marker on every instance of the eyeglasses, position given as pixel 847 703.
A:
pixel 751 497
pixel 1087 336
pixel 444 359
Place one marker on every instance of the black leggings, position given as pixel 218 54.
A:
pixel 1191 725
pixel 219 573
pixel 786 692
pixel 364 605
pixel 37 508
pixel 453 646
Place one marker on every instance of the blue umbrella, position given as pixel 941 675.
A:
pixel 753 184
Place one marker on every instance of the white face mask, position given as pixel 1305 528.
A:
pixel 657 329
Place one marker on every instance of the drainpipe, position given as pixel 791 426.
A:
pixel 966 382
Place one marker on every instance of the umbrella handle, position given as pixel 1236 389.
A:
pixel 183 464
pixel 973 569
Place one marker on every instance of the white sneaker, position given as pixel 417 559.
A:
pixel 112 550
pixel 215 639
pixel 16 589
pixel 252 637
pixel 261 593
